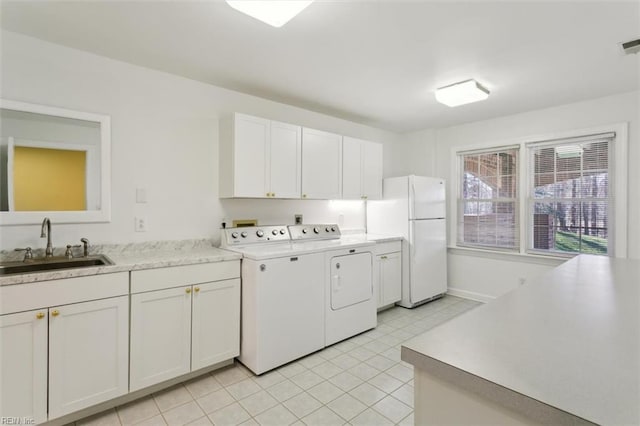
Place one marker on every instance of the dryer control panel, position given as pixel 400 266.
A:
pixel 325 231
pixel 254 234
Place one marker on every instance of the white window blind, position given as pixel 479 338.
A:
pixel 569 202
pixel 488 201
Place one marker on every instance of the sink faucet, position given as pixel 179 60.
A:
pixel 46 232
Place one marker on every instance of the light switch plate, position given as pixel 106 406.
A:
pixel 141 195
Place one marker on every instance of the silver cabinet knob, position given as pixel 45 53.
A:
pixel 263 267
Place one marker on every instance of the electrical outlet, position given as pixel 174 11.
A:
pixel 141 224
pixel 298 219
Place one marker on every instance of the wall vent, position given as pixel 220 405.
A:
pixel 632 46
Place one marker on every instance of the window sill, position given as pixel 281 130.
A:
pixel 510 256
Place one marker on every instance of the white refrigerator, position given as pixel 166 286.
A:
pixel 414 207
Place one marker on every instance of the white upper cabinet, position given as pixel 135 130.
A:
pixel 361 169
pixel 321 164
pixel 259 158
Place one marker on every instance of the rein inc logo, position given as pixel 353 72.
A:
pixel 17 421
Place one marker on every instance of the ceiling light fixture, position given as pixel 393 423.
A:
pixel 275 13
pixel 464 92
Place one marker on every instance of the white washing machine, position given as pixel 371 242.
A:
pixel 303 288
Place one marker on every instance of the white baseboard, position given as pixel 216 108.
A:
pixel 466 294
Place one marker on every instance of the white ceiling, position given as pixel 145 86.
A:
pixel 374 62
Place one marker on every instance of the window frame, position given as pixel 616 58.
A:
pixel 618 175
pixel 517 206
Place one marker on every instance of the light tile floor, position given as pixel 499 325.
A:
pixel 360 381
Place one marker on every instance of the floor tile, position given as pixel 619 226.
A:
pixel 385 382
pixel 370 417
pixel 312 360
pixel 407 421
pixel 153 421
pixel 360 339
pixel 380 362
pixel 400 372
pixel 391 339
pixel 345 361
pixel 250 422
pixel 392 409
pixel 215 400
pixel 200 386
pixel 364 371
pixel 258 402
pixel 393 354
pixel 269 379
pixel 404 394
pixel 232 414
pixel 106 418
pixel 345 346
pixel 345 381
pixel 368 394
pixel 376 346
pixel 137 411
pixel 361 354
pixel 325 392
pixel 172 397
pixel 327 370
pixel 202 421
pixel 284 390
pixel 276 416
pixel 230 375
pixel 183 414
pixel 329 353
pixel 306 379
pixel 243 388
pixel 323 417
pixel 302 404
pixel 346 406
pixel 292 369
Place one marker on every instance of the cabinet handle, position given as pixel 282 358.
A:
pixel 39 315
pixel 383 257
pixel 55 313
pixel 187 290
pixel 273 194
pixel 268 194
pixel 197 289
pixel 304 195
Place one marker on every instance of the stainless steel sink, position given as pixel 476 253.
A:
pixel 52 263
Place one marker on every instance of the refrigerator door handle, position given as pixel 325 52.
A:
pixel 412 200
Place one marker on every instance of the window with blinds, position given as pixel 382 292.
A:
pixel 488 201
pixel 569 204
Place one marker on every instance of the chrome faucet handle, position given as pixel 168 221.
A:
pixel 28 255
pixel 85 242
pixel 69 252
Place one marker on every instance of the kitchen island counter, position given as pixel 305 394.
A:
pixel 563 349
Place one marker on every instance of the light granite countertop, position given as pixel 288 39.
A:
pixel 569 340
pixel 130 257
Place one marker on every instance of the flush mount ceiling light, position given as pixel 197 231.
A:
pixel 461 93
pixel 275 13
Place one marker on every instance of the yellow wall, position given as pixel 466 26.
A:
pixel 48 179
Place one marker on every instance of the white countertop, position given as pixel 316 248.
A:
pixel 569 339
pixel 130 260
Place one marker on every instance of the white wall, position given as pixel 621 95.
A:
pixel 164 139
pixel 414 153
pixel 471 273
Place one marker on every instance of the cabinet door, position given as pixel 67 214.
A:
pixel 23 365
pixel 216 323
pixel 285 154
pixel 321 164
pixel 88 354
pixel 160 336
pixel 371 170
pixel 390 278
pixel 251 137
pixel 351 168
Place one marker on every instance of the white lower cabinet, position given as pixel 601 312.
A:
pixel 182 319
pixel 215 323
pixel 388 277
pixel 160 336
pixel 23 365
pixel 88 354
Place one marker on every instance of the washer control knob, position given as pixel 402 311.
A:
pixel 333 229
pixel 327 229
pixel 282 232
pixel 234 235
pixel 243 234
pixel 304 230
pixel 260 233
pixel 274 232
pixel 316 230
